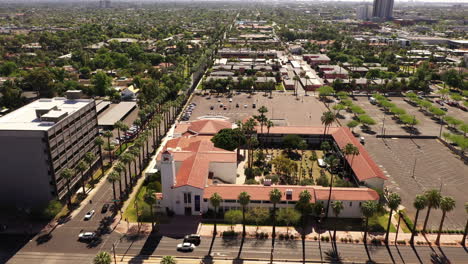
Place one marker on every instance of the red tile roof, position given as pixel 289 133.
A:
pixel 208 126
pixel 260 192
pixel 196 153
pixel 362 165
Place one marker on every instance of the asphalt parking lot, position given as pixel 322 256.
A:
pixel 414 166
pixel 283 108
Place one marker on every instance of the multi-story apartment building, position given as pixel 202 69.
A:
pixel 37 142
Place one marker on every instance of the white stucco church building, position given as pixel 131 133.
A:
pixel 192 169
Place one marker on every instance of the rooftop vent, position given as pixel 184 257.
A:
pixel 54 116
pixel 44 110
pixel 73 94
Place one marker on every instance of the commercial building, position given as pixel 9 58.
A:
pixel 38 142
pixel 192 169
pixel 364 12
pixel 383 9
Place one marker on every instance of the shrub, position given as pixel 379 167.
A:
pixel 249 173
pixel 281 236
pixel 251 181
pixel 315 237
pixel 52 209
pixel 401 242
pixel 230 233
pixel 327 239
pixel 356 240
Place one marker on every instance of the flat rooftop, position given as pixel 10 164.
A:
pixel 115 112
pixel 25 118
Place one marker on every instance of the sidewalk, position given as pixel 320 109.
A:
pixel 184 260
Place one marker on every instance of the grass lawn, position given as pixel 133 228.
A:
pixel 305 166
pixel 143 210
pixel 378 223
pixel 279 87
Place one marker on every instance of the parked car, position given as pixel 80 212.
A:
pixel 89 215
pixel 185 247
pixel 211 107
pixel 453 103
pixel 193 239
pixel 463 108
pixel 440 102
pixel 86 236
pixel 237 105
pixel 362 140
pixel 104 208
pixel 372 100
pixel 444 109
pixel 230 100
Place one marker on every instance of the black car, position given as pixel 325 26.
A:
pixel 104 209
pixel 444 109
pixel 193 238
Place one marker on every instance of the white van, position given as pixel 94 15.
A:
pixel 372 100
pixel 321 163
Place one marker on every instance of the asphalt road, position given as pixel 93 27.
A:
pixel 252 249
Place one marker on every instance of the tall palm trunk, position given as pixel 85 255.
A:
pixel 135 167
pixel 440 227
pixel 388 225
pixel 154 137
pixel 243 221
pixel 120 189
pixel 129 166
pixel 125 178
pixel 464 234
pixel 110 150
pixel 102 160
pixel 427 218
pixel 69 194
pixel 273 235
pixel 215 231
pixel 329 194
pixel 83 183
pixel 413 232
pixel 113 190
pixel 365 230
pixel 120 143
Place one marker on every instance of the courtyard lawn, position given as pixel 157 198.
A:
pixel 143 210
pixel 306 168
pixel 279 87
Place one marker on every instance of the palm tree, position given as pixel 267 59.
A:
pixel 262 110
pixel 327 120
pixel 120 127
pixel 349 149
pixel 419 203
pixel 275 198
pixel 108 134
pixel 126 159
pixel 89 158
pixel 249 130
pixel 120 167
pixel 333 162
pixel 168 260
pixel 102 258
pixel 296 80
pixel 244 200
pixel 134 151
pixel 215 201
pixel 337 207
pixel 466 227
pixel 447 204
pixel 81 168
pixel 394 200
pixel 150 199
pixel 112 178
pixel 98 141
pixel 433 201
pixel 269 125
pixel 368 209
pixel 305 207
pixel 67 174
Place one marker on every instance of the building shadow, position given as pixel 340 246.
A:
pixel 151 243
pixel 399 254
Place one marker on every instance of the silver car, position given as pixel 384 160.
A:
pixel 185 247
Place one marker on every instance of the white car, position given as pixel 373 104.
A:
pixel 185 247
pixel 86 236
pixel 89 215
pixel 321 163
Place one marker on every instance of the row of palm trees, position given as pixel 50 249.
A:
pixel 153 122
pixel 432 199
pixel 68 174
